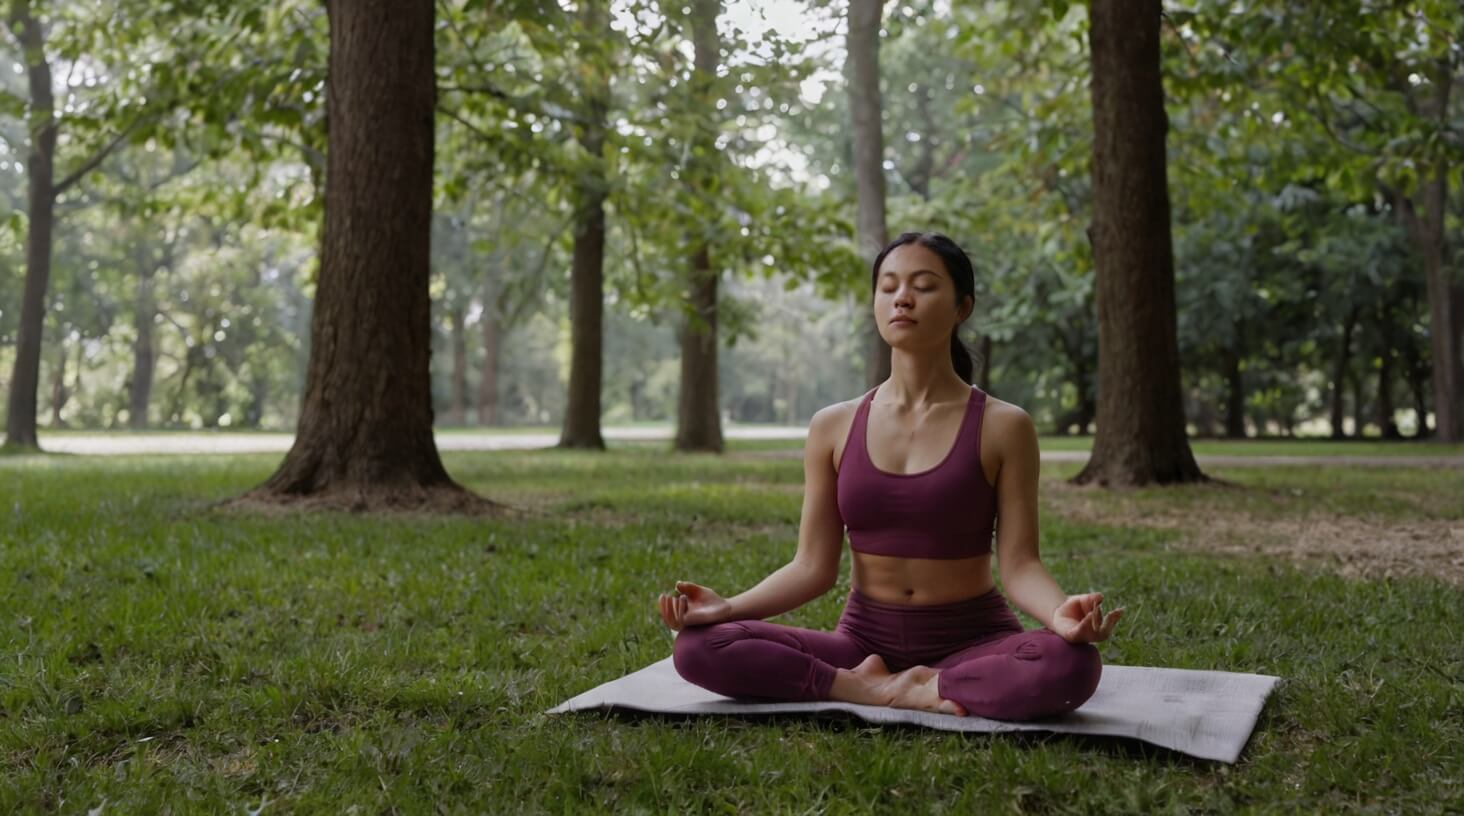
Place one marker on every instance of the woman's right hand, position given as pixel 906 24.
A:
pixel 698 605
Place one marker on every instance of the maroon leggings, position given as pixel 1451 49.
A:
pixel 988 663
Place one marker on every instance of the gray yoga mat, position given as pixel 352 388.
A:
pixel 1207 714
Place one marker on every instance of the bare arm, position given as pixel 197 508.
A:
pixel 815 567
pixel 1026 581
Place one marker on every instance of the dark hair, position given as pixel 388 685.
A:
pixel 958 266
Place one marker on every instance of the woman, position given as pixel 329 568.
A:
pixel 917 470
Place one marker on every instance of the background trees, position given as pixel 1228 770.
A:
pixel 1314 224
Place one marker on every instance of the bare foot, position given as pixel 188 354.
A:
pixel 864 684
pixel 872 683
pixel 917 688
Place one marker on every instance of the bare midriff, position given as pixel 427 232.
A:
pixel 921 581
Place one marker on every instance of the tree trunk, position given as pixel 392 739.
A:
pixel 1359 402
pixel 1141 427
pixel 1386 426
pixel 1416 374
pixel 144 358
pixel 488 374
pixel 258 397
pixel 698 418
pixel 861 67
pixel 587 299
pixel 1445 300
pixel 458 410
pixel 1234 396
pixel 364 437
pixel 1339 374
pixel 20 419
pixel 59 393
pixel 1071 344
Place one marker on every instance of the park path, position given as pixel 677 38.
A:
pixel 112 444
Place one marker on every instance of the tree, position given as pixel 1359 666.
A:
pixel 1141 429
pixel 587 299
pixel 698 416
pixel 365 429
pixel 862 69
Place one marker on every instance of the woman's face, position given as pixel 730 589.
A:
pixel 915 303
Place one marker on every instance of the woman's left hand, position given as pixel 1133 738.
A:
pixel 1080 619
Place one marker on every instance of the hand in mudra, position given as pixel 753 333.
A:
pixel 697 606
pixel 1080 619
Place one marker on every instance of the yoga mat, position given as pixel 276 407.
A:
pixel 1207 714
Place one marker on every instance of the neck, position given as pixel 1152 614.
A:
pixel 922 379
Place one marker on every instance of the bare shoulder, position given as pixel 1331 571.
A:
pixel 829 427
pixel 1007 429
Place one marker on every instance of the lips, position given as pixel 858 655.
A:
pixel 901 321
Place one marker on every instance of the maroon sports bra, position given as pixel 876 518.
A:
pixel 948 511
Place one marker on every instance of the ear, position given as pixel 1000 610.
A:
pixel 969 306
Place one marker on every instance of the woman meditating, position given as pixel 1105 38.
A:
pixel 918 470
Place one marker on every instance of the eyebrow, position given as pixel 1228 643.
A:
pixel 913 274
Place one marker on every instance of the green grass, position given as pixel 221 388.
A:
pixel 159 653
pixel 1285 447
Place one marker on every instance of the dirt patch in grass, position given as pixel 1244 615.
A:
pixel 1356 547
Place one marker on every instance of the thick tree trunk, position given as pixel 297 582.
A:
pixel 698 416
pixel 1339 374
pixel 587 300
pixel 488 373
pixel 698 419
pixel 20 419
pixel 861 67
pixel 364 437
pixel 1141 428
pixel 458 409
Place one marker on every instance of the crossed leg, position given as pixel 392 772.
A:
pixel 757 658
pixel 1021 676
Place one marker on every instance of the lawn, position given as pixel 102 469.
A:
pixel 163 655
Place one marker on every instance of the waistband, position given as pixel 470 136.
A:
pixel 991 599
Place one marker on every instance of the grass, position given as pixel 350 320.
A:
pixel 158 654
pixel 1286 446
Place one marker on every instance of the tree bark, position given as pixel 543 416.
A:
pixel 1141 428
pixel 364 437
pixel 458 387
pixel 698 416
pixel 587 300
pixel 488 373
pixel 862 73
pixel 20 418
